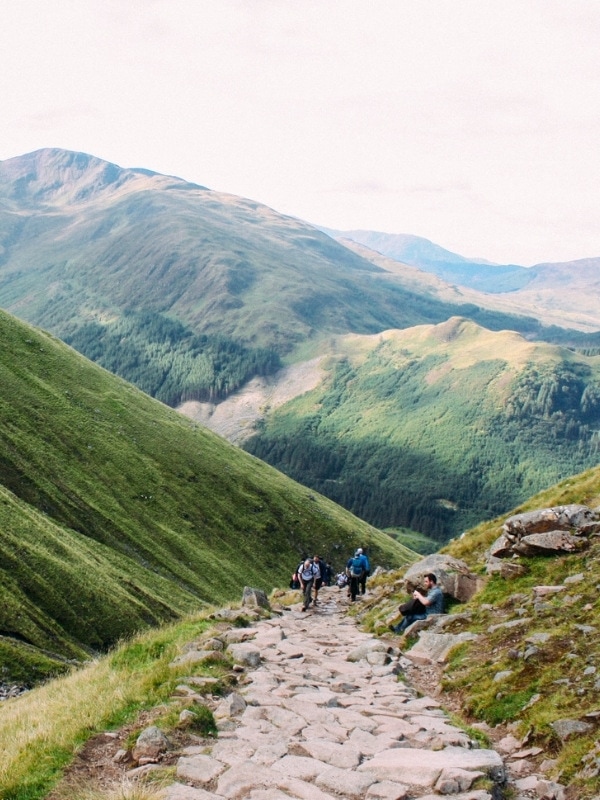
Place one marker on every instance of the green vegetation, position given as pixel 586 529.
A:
pixel 436 428
pixel 553 675
pixel 168 361
pixel 537 658
pixel 117 513
pixel 41 731
pixel 414 540
pixel 87 244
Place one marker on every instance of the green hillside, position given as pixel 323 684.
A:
pixel 543 646
pixel 438 427
pixel 188 292
pixel 116 512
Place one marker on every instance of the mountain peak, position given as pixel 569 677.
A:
pixel 52 176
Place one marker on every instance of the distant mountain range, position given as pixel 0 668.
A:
pixel 195 295
pixel 426 255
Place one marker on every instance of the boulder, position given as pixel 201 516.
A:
pixel 550 542
pixel 255 598
pixel 562 518
pixel 506 569
pixel 151 743
pixel 546 531
pixel 453 576
pixel 245 654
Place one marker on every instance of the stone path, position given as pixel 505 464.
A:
pixel 322 716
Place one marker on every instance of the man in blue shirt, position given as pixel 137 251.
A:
pixel 434 602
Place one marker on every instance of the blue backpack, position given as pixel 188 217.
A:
pixel 357 567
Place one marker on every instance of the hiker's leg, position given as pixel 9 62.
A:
pixel 308 594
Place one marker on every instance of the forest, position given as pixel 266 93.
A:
pixel 169 361
pixel 441 457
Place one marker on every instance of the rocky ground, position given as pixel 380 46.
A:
pixel 324 711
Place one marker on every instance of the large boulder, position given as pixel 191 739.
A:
pixel 453 576
pixel 557 518
pixel 549 542
pixel 546 531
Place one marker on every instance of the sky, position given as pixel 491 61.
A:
pixel 472 123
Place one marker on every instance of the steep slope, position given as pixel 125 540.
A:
pixel 436 427
pixel 117 512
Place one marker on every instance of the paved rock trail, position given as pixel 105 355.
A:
pixel 322 715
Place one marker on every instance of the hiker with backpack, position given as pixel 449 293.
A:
pixel 356 566
pixel 306 575
pixel 362 582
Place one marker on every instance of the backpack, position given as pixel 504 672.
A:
pixel 356 567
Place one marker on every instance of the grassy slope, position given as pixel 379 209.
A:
pixel 557 680
pixel 116 512
pixel 439 423
pixel 560 679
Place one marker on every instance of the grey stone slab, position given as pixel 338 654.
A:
pixel 332 732
pixel 262 697
pixel 421 767
pixel 232 751
pixel 241 779
pixel 345 782
pixel 303 790
pixel 344 756
pixel 352 719
pixel 369 744
pixel 180 791
pixel 270 753
pixel 396 727
pixel 305 768
pixel 388 790
pixel 200 769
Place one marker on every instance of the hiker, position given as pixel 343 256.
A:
pixel 356 566
pixel 306 574
pixel 318 568
pixel 295 580
pixel 433 603
pixel 362 581
pixel 341 580
pixel 327 573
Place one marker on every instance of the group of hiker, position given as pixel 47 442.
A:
pixel 312 573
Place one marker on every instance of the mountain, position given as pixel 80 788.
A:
pixel 420 252
pixel 103 256
pixel 436 427
pixel 117 512
pixel 557 294
pixel 197 297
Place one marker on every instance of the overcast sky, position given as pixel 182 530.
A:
pixel 473 123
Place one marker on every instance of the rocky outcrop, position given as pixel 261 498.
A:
pixel 547 531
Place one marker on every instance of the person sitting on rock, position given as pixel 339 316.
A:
pixel 433 602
